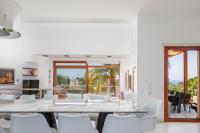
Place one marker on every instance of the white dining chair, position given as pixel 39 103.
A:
pixel 32 123
pixel 121 124
pixel 128 95
pixel 27 97
pixel 71 96
pixel 153 107
pixel 149 120
pixel 50 97
pixel 7 97
pixel 78 123
pixel 2 130
pixel 96 97
pixel 147 123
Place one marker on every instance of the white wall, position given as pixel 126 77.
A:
pixel 153 31
pixel 130 61
pixel 60 39
pixel 13 55
pixel 78 38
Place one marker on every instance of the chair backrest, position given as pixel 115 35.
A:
pixel 121 124
pixel 182 95
pixel 177 94
pixel 79 123
pixel 2 130
pixel 153 106
pixel 72 96
pixel 50 97
pixel 171 92
pixel 27 97
pixel 32 123
pixel 188 96
pixel 148 123
pixel 7 97
pixel 96 97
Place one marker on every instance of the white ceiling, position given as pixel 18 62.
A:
pixel 100 10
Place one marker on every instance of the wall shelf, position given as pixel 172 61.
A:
pixel 29 75
pixel 29 68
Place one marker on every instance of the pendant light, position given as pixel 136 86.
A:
pixel 9 11
pixel 4 33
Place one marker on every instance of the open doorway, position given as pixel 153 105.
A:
pixel 182 83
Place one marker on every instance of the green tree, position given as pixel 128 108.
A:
pixel 191 86
pixel 62 80
pixel 100 77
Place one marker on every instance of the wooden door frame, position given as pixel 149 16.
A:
pixel 184 48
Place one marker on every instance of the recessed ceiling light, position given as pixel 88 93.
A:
pixel 109 56
pixel 45 55
pixel 67 55
pixel 88 56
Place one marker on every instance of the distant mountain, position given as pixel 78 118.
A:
pixel 175 81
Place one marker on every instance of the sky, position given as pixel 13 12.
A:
pixel 176 66
pixel 72 73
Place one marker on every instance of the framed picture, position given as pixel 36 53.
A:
pixel 7 76
pixel 133 78
pixel 130 79
pixel 126 79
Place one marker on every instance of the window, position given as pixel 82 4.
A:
pixel 78 77
pixel 104 78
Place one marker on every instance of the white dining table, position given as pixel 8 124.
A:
pixel 69 106
pixel 49 107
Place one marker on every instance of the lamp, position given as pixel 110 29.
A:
pixel 3 33
pixel 9 11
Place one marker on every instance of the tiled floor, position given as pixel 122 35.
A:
pixel 171 128
pixel 183 114
pixel 177 128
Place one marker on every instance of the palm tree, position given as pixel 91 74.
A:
pixel 102 77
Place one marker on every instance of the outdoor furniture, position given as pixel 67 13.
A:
pixel 178 99
pixel 171 92
pixel 177 94
pixel 185 100
pixel 194 106
pixel 174 100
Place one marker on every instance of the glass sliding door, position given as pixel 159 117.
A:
pixel 181 83
pixel 175 81
pixel 192 82
pixel 176 70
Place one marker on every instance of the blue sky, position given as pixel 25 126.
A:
pixel 176 66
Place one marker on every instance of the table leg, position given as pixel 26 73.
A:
pixel 101 119
pixel 51 119
pixel 179 107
